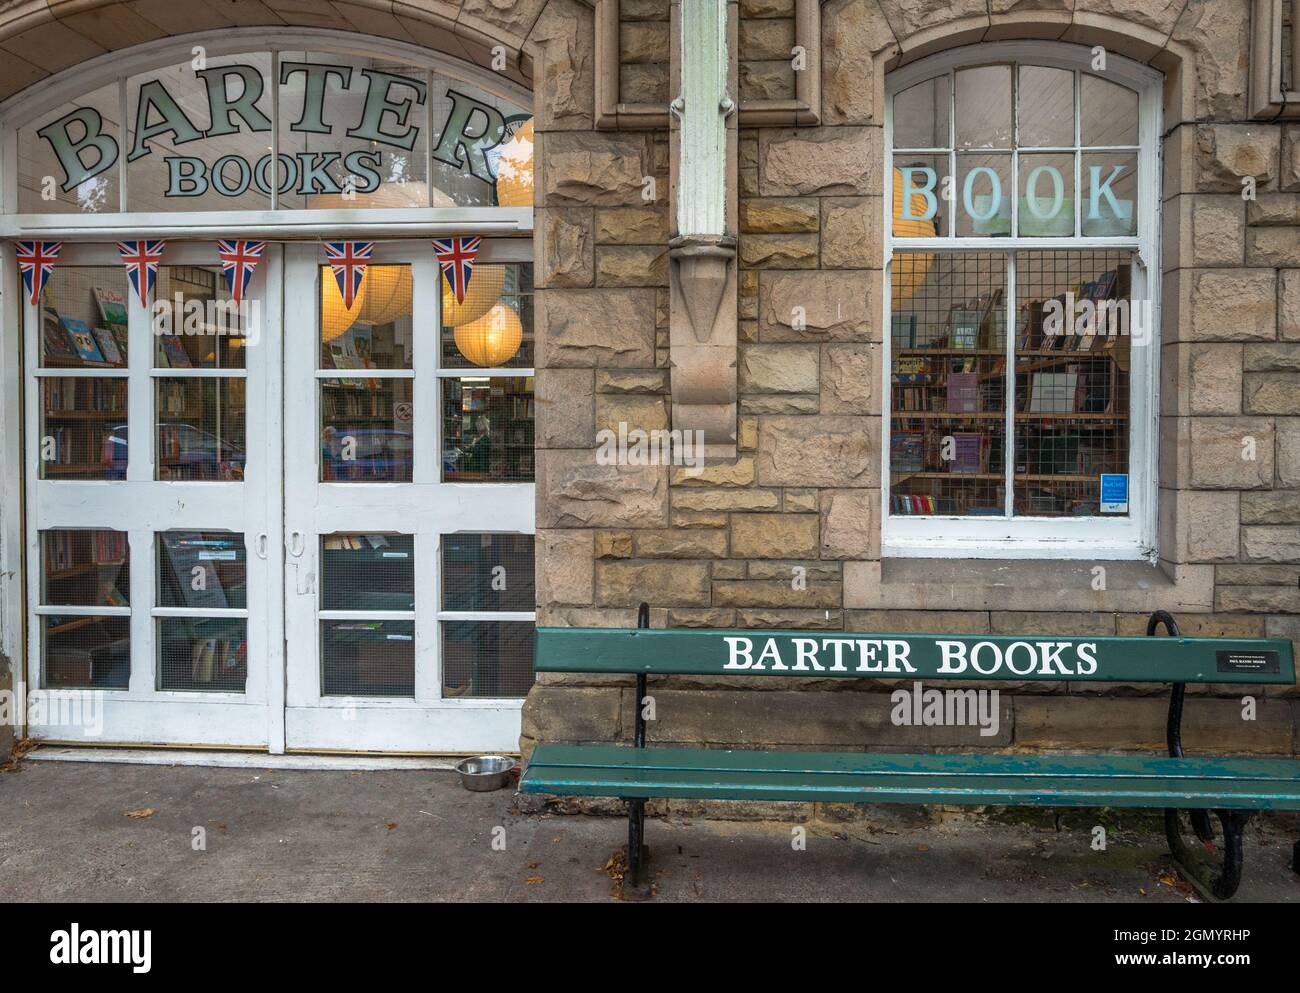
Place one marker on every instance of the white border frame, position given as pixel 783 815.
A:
pixel 950 536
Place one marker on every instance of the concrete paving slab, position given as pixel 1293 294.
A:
pixel 292 835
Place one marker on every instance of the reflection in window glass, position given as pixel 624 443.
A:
pixel 366 430
pixel 85 568
pixel 984 107
pixel 1110 194
pixel 921 114
pixel 487 572
pixel 488 429
pixel 68 160
pixel 200 428
pixel 1045 109
pixel 367 658
pixel 195 323
pixel 83 428
pixel 367 572
pixel 86 652
pixel 1046 195
pixel 181 159
pixel 1109 112
pixel 487 658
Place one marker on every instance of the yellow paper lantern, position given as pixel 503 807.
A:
pixel 908 271
pixel 334 317
pixel 388 293
pixel 485 286
pixel 493 339
pixel 515 169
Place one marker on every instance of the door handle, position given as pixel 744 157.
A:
pixel 297 543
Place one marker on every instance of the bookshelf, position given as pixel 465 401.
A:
pixel 488 429
pixel 1068 420
pixel 85 568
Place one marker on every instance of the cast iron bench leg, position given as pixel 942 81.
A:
pixel 633 886
pixel 1212 885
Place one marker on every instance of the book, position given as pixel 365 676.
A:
pixel 112 307
pixel 1053 392
pixel 108 346
pixel 963 393
pixel 174 351
pixel 903 330
pixel 968 451
pixel 83 340
pixel 55 342
pixel 964 327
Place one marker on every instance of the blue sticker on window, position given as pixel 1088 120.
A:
pixel 1114 493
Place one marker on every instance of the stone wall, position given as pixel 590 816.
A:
pixel 720 549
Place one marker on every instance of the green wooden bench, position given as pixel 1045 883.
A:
pixel 1230 788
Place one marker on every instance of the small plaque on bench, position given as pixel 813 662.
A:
pixel 1246 661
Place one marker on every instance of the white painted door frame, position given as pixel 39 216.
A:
pixel 426 508
pixel 143 506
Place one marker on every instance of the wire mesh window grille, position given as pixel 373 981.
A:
pixel 88 645
pixel 486 620
pixel 367 599
pixel 201 618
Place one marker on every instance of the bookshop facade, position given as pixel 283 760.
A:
pixel 269 334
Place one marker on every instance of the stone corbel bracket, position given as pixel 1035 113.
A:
pixel 702 339
pixel 804 109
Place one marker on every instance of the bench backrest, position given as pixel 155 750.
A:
pixel 1040 658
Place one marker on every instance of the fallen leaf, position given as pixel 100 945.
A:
pixel 391 825
pixel 534 880
pixel 142 812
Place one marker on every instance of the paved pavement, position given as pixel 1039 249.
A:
pixel 66 834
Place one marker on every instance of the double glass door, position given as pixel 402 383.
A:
pixel 285 525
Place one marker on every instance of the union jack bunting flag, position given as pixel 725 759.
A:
pixel 456 256
pixel 348 260
pixel 141 259
pixel 238 260
pixel 36 262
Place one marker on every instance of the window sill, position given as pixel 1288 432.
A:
pixel 1053 584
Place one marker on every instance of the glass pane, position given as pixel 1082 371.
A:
pixel 376 332
pixel 368 658
pixel 200 428
pixel 340 146
pixel 1045 108
pixel 492 328
pixel 208 654
pixel 948 332
pixel 195 323
pixel 86 652
pixel 921 114
pixel 68 159
pixel 1109 194
pixel 487 658
pixel 984 107
pixel 984 185
pixel 83 428
pixel 85 568
pixel 367 572
pixel 920 211
pixel 83 318
pixel 1046 195
pixel 1072 379
pixel 182 159
pixel 202 569
pixel 366 430
pixel 488 429
pixel 1109 113
pixel 487 572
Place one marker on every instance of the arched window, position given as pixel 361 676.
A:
pixel 1023 304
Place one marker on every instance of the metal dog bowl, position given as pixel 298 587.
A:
pixel 484 773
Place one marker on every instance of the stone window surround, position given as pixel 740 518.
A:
pixel 804 110
pixel 1267 98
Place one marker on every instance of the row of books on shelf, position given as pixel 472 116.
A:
pixel 1039 453
pixel 1069 392
pixel 926 503
pixel 76 394
pixel 218 660
pixel 66 340
pixel 353 542
pixel 71 445
pixel 934 451
pixel 335 403
pixel 66 549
